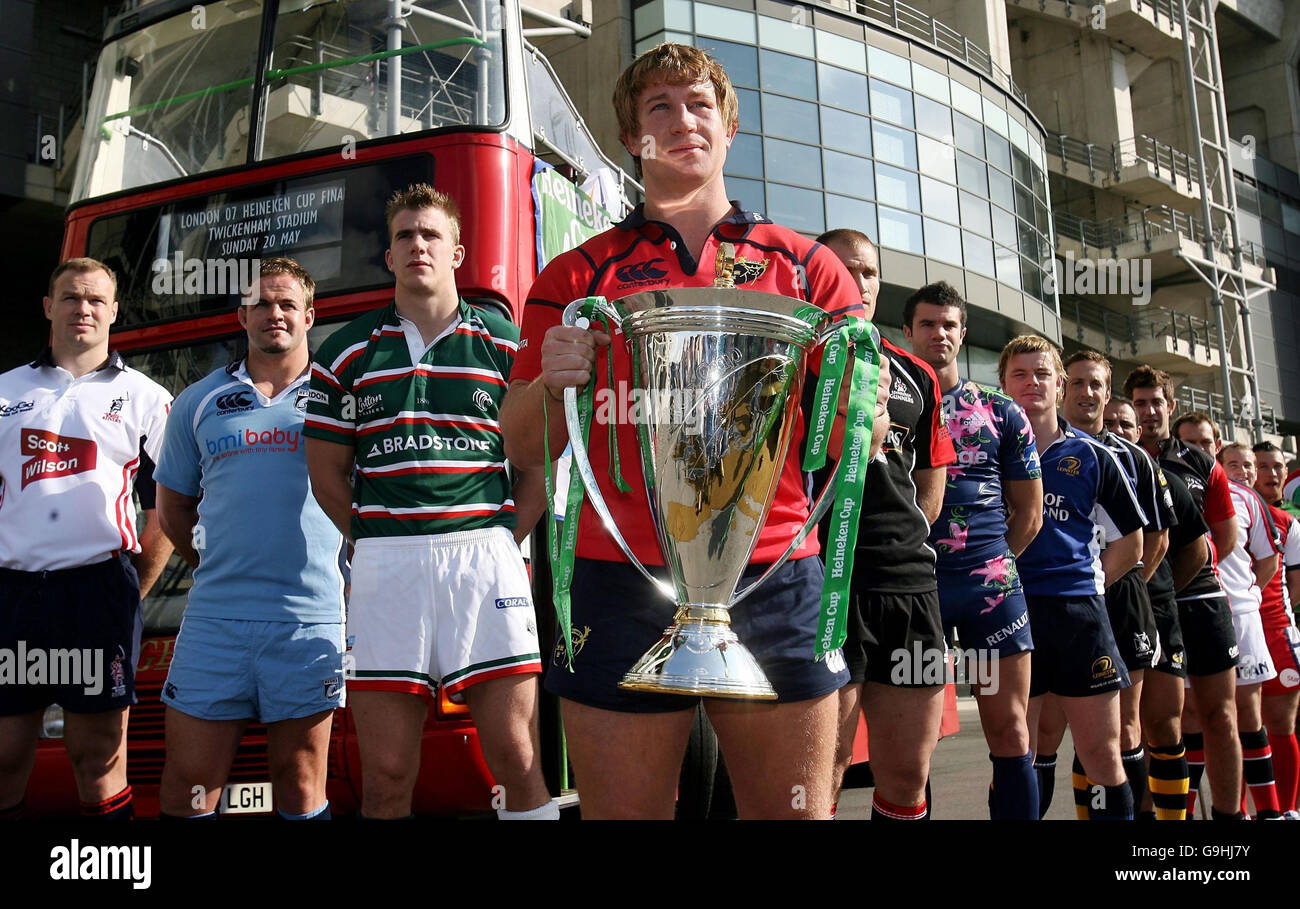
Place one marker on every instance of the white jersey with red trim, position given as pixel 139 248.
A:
pixel 69 453
pixel 1256 539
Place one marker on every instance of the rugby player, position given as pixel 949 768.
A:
pixel 992 509
pixel 1243 572
pixel 1204 614
pixel 263 632
pixel 1161 706
pixel 1087 392
pixel 894 609
pixel 78 430
pixel 1087 503
pixel 408 397
pixel 1282 694
pixel 677 115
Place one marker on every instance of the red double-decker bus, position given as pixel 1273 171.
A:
pixel 222 132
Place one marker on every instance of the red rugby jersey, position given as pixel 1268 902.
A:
pixel 639 255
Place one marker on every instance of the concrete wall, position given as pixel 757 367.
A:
pixel 984 22
pixel 1260 74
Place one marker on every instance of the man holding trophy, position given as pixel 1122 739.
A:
pixel 678 115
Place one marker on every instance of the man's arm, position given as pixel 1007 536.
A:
pixel 1187 561
pixel 1119 556
pixel 1155 543
pixel 1224 535
pixel 155 549
pixel 178 515
pixel 530 502
pixel 930 482
pixel 1024 501
pixel 330 464
pixel 1265 568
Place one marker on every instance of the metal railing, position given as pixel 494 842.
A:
pixel 1144 226
pixel 1160 321
pixel 914 23
pixel 1125 153
pixel 1191 398
pixel 1118 331
pixel 1170 9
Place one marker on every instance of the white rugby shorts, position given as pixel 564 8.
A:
pixel 449 609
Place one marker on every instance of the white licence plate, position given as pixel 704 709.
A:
pixel 245 798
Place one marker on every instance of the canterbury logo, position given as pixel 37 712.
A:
pixel 234 400
pixel 641 271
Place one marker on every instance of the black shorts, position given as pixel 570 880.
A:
pixel 895 639
pixel 1074 651
pixel 617 616
pixel 1173 655
pixel 73 636
pixel 1209 636
pixel 1133 621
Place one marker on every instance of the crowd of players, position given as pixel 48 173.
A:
pixel 1122 575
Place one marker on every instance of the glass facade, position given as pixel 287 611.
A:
pixel 835 132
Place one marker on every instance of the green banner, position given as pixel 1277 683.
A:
pixel 566 216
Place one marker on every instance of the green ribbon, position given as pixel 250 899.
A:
pixel 846 508
pixel 562 551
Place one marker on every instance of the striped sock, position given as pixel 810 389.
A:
pixel 1257 768
pixel 1195 743
pixel 882 810
pixel 1082 785
pixel 1286 768
pixel 1135 768
pixel 1045 768
pixel 114 808
pixel 1168 781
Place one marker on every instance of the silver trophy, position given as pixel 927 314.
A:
pixel 720 372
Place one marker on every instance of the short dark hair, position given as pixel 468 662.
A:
pixel 1193 417
pixel 846 235
pixel 940 293
pixel 1265 446
pixel 1089 356
pixel 82 264
pixel 1147 377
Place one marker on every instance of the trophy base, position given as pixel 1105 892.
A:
pixel 700 655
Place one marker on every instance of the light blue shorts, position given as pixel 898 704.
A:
pixel 230 669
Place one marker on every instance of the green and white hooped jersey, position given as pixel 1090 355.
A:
pixel 429 453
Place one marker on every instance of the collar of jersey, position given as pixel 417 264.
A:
pixel 238 370
pixel 46 358
pixel 636 218
pixel 464 312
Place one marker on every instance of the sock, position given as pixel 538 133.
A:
pixel 1195 743
pixel 1257 768
pixel 1082 785
pixel 1168 781
pixel 1045 770
pixel 320 814
pixel 205 816
pixel 546 811
pixel 364 817
pixel 114 808
pixel 882 810
pixel 1135 768
pixel 1116 804
pixel 1286 769
pixel 13 812
pixel 1217 815
pixel 1145 816
pixel 834 805
pixel 1015 788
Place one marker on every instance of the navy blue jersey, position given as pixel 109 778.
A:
pixel 1087 502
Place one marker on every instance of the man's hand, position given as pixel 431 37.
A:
pixel 569 357
pixel 568 360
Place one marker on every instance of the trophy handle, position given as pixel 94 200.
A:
pixel 579 450
pixel 822 505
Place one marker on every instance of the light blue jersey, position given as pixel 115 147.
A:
pixel 267 552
